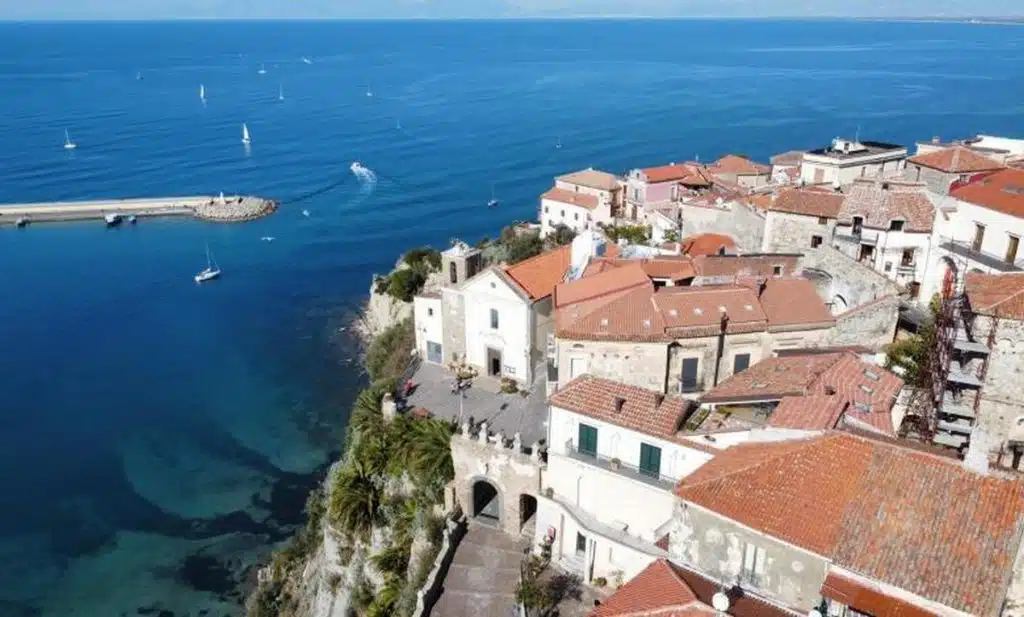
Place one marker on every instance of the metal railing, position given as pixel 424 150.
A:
pixel 623 469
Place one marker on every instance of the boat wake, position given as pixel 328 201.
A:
pixel 364 174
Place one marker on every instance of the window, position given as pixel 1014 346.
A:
pixel 823 220
pixel 650 460
pixel 979 236
pixel 546 209
pixel 576 216
pixel 577 366
pixel 1011 249
pixel 563 214
pixel 430 312
pixel 581 543
pixel 740 362
pixel 777 270
pixel 815 242
pixel 907 260
pixel 888 266
pixel 494 319
pixel 688 382
pixel 753 564
pixel 588 440
pixel 858 225
pixel 896 225
pixel 453 273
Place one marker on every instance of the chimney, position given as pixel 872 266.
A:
pixel 619 403
pixel 659 398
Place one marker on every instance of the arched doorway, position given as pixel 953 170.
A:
pixel 486 502
pixel 527 512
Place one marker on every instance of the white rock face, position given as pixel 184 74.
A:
pixel 382 311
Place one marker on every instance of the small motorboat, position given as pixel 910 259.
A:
pixel 267 238
pixel 494 200
pixel 112 219
pixel 357 167
pixel 305 213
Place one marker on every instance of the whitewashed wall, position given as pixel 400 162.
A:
pixel 485 292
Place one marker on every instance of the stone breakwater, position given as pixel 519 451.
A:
pixel 221 209
pixel 235 210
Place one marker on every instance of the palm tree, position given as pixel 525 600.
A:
pixel 355 499
pixel 431 458
pixel 383 604
pixel 401 439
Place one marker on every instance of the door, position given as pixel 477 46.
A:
pixel 689 377
pixel 493 362
pixel 434 352
pixel 577 367
pixel 650 460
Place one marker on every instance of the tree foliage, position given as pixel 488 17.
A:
pixel 389 354
pixel 912 356
pixel 519 244
pixel 563 234
pixel 634 234
pixel 355 499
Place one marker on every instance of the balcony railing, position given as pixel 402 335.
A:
pixel 632 472
pixel 965 249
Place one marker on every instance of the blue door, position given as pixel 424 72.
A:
pixel 434 352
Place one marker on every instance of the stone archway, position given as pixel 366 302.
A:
pixel 527 512
pixel 488 504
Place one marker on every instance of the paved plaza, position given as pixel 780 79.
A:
pixel 484 402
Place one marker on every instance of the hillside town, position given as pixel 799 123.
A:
pixel 714 419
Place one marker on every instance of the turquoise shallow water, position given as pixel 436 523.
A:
pixel 150 426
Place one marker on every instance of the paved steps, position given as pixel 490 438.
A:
pixel 483 576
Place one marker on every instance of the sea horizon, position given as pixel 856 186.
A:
pixel 161 436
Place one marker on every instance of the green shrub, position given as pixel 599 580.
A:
pixel 423 258
pixel 562 235
pixel 405 283
pixel 634 234
pixel 524 246
pixel 389 353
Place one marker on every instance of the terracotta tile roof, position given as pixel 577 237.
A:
pixel 790 302
pixel 868 391
pixel 674 268
pixel 816 412
pixel 741 602
pixel 878 206
pixel 714 266
pixel 607 277
pixel 642 410
pixel 1002 191
pixel 708 244
pixel 732 164
pixel 866 599
pixel 592 178
pixel 658 588
pixel 792 157
pixel 571 197
pixel 891 514
pixel 760 201
pixel 996 294
pixel 808 202
pixel 538 275
pixel 956 160
pixel 684 173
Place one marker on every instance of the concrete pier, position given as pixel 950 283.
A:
pixel 226 209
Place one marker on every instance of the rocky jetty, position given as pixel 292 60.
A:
pixel 234 209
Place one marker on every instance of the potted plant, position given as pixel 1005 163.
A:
pixel 600 581
pixel 616 463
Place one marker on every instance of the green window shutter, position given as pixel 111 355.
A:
pixel 588 440
pixel 650 460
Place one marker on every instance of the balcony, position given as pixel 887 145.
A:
pixel 623 469
pixel 906 269
pixel 864 236
pixel 964 249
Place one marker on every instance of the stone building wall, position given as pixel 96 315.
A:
pixel 453 325
pixel 793 232
pixel 741 222
pixel 935 180
pixel 872 325
pixel 715 545
pixel 1002 405
pixel 510 471
pixel 635 364
pixel 841 281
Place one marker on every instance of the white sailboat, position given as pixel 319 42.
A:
pixel 306 60
pixel 211 271
pixel 494 200
pixel 202 93
pixel 68 144
pixel 245 134
pixel 368 91
pixel 558 144
pixel 262 71
pixel 280 93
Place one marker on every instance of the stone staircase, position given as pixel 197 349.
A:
pixel 483 576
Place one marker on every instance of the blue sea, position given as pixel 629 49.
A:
pixel 158 438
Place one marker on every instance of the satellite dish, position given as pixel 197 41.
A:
pixel 814 613
pixel 721 602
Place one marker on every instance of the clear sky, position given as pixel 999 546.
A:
pixel 447 9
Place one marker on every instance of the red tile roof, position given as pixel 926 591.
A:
pixel 866 599
pixel 538 275
pixel 715 266
pixel 591 178
pixel 657 589
pixel 877 206
pixel 794 302
pixel 808 202
pixel 741 166
pixel 707 244
pixel 601 282
pixel 571 197
pixel 815 412
pixel 642 410
pixel 996 294
pixel 646 314
pixel 869 391
pixel 1002 191
pixel 901 517
pixel 956 160
pixel 684 173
